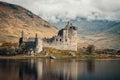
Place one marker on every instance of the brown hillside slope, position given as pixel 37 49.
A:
pixel 14 19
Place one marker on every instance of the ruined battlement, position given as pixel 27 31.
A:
pixel 31 43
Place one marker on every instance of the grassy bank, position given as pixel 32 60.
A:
pixel 82 56
pixel 21 57
pixel 60 54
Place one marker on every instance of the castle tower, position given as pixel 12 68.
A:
pixel 36 40
pixel 68 25
pixel 66 32
pixel 72 36
pixel 36 35
pixel 21 40
pixel 38 44
pixel 65 40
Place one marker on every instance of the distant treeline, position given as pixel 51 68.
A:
pixel 90 49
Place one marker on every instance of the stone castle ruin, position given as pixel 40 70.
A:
pixel 66 39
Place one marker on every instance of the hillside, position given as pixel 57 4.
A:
pixel 109 38
pixel 14 19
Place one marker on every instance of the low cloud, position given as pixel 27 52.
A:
pixel 56 10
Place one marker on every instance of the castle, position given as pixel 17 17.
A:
pixel 66 39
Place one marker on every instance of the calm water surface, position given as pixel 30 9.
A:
pixel 46 69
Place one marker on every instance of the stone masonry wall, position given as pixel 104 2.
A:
pixel 61 46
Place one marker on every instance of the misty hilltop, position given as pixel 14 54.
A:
pixel 14 19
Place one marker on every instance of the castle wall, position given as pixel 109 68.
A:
pixel 32 43
pixel 61 46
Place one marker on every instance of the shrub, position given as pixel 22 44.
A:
pixel 7 51
pixel 8 48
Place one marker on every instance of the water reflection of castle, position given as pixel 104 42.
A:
pixel 34 69
pixel 54 70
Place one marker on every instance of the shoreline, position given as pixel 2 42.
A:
pixel 100 56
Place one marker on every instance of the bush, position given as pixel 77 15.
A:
pixel 6 51
pixel 8 48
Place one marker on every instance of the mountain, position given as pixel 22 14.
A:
pixel 14 19
pixel 101 33
pixel 88 27
pixel 109 38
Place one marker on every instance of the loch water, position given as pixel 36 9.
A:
pixel 60 69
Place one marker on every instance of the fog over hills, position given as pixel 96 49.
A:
pixel 89 27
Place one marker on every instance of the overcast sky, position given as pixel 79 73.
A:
pixel 54 10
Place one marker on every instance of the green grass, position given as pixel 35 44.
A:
pixel 82 56
pixel 21 57
pixel 60 54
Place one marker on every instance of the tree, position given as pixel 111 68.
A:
pixel 90 49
